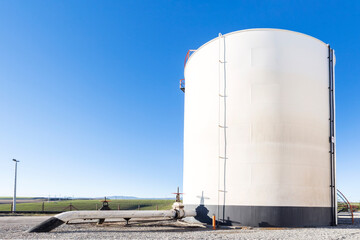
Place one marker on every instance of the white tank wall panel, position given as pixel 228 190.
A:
pixel 277 114
pixel 201 166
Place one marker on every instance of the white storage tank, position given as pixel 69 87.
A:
pixel 259 135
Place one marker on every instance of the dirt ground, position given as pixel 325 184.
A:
pixel 14 227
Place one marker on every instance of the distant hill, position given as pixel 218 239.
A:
pixel 131 197
pixel 80 198
pixel 118 197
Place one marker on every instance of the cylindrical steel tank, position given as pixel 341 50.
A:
pixel 259 135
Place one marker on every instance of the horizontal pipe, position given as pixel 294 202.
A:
pixel 64 217
pixel 72 215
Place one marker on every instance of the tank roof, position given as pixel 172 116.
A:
pixel 256 29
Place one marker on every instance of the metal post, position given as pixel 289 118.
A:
pixel 222 133
pixel 214 222
pixel 14 199
pixel 332 136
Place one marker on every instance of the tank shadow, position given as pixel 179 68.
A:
pixel 202 214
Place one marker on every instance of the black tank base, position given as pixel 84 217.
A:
pixel 265 216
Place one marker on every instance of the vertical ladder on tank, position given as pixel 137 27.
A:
pixel 332 136
pixel 222 131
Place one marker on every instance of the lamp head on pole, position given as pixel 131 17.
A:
pixel 16 160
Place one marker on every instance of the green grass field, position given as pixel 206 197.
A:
pixel 343 206
pixel 7 198
pixel 124 204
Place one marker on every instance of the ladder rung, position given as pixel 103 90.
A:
pixel 223 157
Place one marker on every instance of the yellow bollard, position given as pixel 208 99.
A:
pixel 214 222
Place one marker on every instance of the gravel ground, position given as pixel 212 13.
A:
pixel 15 227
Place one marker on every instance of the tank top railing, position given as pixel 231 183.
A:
pixel 182 85
pixel 182 81
pixel 188 54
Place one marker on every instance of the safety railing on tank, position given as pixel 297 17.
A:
pixel 182 85
pixel 182 81
pixel 188 54
pixel 346 206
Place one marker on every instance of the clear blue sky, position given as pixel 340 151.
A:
pixel 89 98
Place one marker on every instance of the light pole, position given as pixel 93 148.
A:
pixel 14 199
